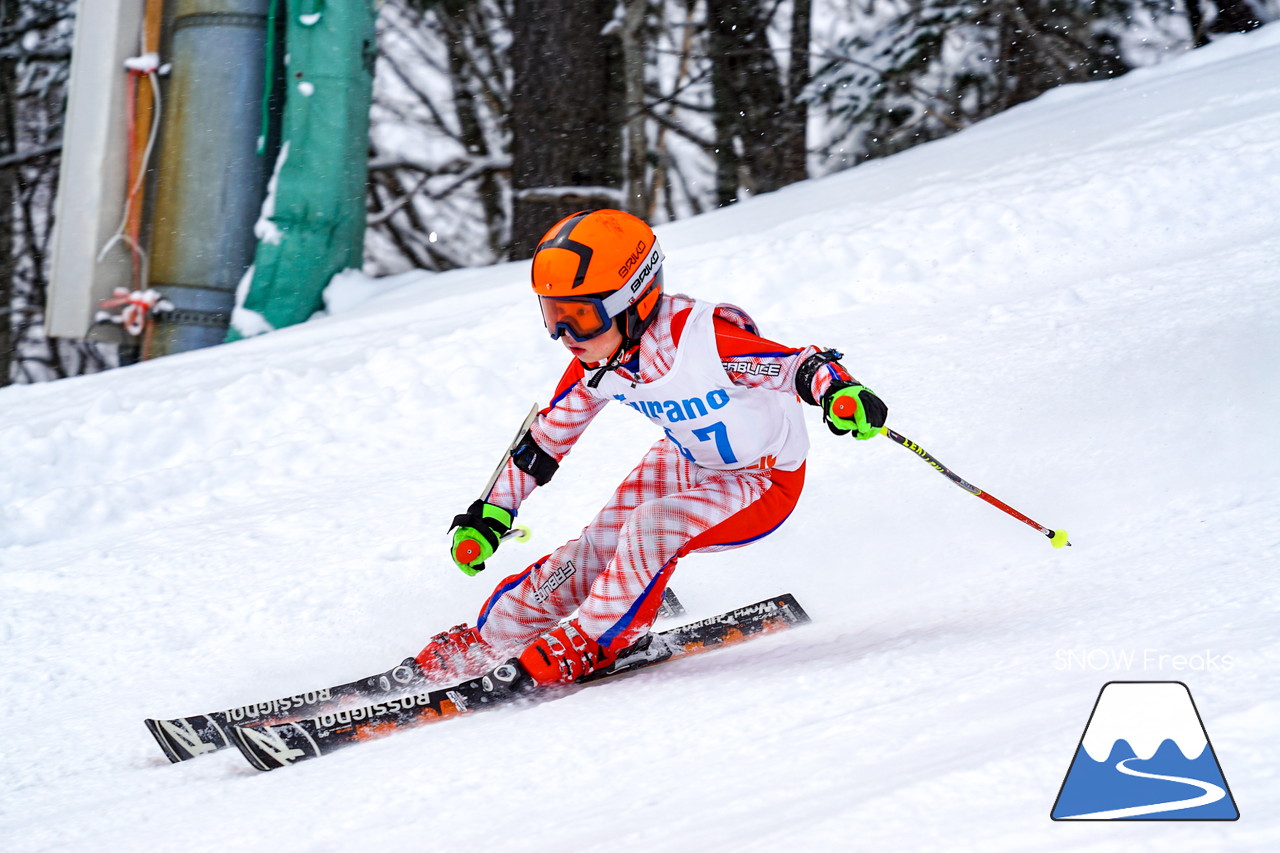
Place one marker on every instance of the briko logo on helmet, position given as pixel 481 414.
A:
pixel 635 256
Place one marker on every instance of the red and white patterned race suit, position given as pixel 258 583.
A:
pixel 615 572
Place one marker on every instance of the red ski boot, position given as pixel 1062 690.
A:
pixel 564 654
pixel 455 654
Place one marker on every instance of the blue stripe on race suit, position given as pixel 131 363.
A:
pixel 627 618
pixel 564 394
pixel 751 539
pixel 503 590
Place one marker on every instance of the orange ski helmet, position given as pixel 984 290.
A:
pixel 594 266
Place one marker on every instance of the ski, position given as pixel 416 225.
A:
pixel 184 738
pixel 268 745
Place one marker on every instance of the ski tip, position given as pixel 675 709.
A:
pixel 241 740
pixel 269 746
pixel 185 738
pixel 153 726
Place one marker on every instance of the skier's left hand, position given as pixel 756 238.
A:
pixel 479 531
pixel 853 408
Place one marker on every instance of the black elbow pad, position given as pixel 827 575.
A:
pixel 533 460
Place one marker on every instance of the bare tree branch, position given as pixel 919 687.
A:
pixel 21 158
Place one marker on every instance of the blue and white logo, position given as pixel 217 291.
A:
pixel 1145 755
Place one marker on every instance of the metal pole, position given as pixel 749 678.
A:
pixel 210 181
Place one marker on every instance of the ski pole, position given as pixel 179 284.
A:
pixel 1057 538
pixel 468 549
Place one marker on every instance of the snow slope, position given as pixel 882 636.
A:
pixel 1071 304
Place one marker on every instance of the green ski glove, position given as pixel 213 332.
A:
pixel 853 408
pixel 477 534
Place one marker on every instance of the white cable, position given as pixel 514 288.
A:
pixel 119 235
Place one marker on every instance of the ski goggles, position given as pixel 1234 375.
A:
pixel 581 317
pixel 584 317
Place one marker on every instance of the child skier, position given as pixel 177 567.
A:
pixel 728 471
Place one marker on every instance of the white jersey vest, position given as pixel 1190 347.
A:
pixel 715 423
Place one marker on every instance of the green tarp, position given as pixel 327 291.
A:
pixel 313 221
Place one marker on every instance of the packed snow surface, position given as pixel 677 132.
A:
pixel 1074 305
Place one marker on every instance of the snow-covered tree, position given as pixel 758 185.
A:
pixel 895 73
pixel 1225 16
pixel 440 168
pixel 920 69
pixel 759 119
